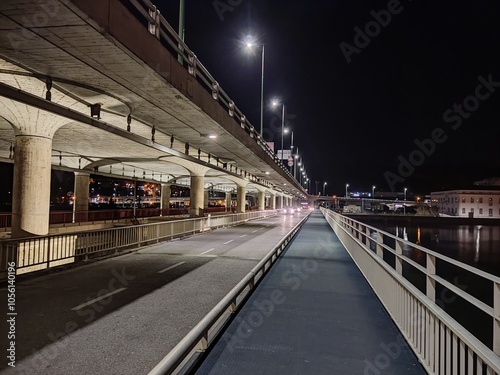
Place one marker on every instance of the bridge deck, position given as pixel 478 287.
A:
pixel 314 313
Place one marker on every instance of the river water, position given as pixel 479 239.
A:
pixel 475 245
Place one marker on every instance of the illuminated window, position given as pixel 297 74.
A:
pixel 490 212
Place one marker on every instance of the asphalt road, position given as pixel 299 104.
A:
pixel 123 315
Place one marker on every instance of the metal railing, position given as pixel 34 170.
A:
pixel 163 31
pixel 43 252
pixel 185 354
pixel 442 345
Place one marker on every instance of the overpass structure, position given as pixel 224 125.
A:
pixel 107 87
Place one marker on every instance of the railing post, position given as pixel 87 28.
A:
pixel 431 283
pixel 496 318
pixel 380 242
pixel 399 259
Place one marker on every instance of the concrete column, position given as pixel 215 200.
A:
pixel 240 199
pixel 81 194
pixel 31 186
pixel 273 202
pixel 205 199
pixel 262 200
pixel 166 192
pixel 196 196
pixel 228 201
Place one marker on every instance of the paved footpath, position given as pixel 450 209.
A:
pixel 313 313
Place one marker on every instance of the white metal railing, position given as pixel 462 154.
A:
pixel 42 252
pixel 184 355
pixel 442 345
pixel 163 31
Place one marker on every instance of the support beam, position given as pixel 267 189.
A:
pixel 241 199
pixel 31 187
pixel 81 195
pixel 166 192
pixel 197 196
pixel 228 201
pixel 262 200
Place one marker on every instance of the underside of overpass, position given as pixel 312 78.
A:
pixel 86 87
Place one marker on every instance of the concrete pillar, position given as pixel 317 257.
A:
pixel 196 196
pixel 273 201
pixel 205 200
pixel 262 200
pixel 166 192
pixel 31 186
pixel 240 199
pixel 81 195
pixel 228 201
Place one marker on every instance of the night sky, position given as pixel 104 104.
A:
pixel 369 121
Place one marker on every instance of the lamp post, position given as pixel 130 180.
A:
pixel 250 44
pixel 275 103
pixel 346 186
pixel 324 186
pixel 181 28
pixel 404 207
pixel 373 192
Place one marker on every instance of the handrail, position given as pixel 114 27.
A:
pixel 43 252
pixel 200 333
pixel 440 342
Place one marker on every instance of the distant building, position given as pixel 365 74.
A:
pixel 468 203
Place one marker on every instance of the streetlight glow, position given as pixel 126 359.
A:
pixel 346 186
pixel 250 44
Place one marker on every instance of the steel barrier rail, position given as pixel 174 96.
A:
pixel 43 252
pixel 181 357
pixel 442 345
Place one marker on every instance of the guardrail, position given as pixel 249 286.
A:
pixel 185 354
pixel 442 345
pixel 163 31
pixel 43 252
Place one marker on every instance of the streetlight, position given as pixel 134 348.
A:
pixel 181 28
pixel 373 192
pixel 275 103
pixel 251 44
pixel 346 186
pixel 404 207
pixel 324 185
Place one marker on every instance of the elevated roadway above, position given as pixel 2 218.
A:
pixel 98 87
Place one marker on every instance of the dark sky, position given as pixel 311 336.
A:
pixel 355 122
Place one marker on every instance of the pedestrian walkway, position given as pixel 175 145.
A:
pixel 314 313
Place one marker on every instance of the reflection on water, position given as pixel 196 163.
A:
pixel 475 245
